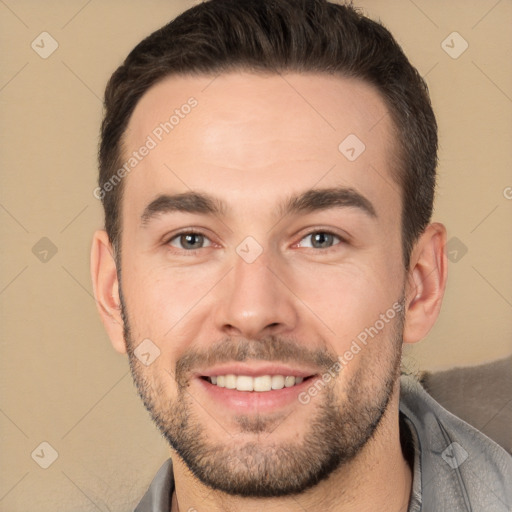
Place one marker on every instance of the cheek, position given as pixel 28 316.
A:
pixel 348 298
pixel 159 298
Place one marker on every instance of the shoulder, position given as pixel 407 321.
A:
pixel 461 468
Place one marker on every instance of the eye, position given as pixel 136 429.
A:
pixel 320 240
pixel 189 241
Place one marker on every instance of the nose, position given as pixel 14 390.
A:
pixel 254 300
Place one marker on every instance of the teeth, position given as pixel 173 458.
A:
pixel 244 383
pixel 261 383
pixel 277 382
pixel 230 381
pixel 289 382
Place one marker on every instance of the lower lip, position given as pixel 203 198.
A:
pixel 254 401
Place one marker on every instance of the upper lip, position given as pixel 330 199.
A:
pixel 256 369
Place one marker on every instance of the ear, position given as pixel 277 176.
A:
pixel 106 288
pixel 426 283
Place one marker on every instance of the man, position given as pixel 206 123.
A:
pixel 267 170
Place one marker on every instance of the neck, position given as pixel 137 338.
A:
pixel 378 478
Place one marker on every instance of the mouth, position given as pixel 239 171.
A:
pixel 259 384
pixel 243 388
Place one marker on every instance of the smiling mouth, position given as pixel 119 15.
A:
pixel 260 384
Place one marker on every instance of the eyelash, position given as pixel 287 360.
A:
pixel 190 252
pixel 193 252
pixel 341 239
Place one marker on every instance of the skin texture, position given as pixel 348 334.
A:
pixel 252 141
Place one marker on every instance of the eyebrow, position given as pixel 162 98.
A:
pixel 188 202
pixel 305 202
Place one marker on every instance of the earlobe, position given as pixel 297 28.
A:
pixel 106 288
pixel 426 283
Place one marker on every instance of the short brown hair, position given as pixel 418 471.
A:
pixel 278 36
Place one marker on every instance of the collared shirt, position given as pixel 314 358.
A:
pixel 456 468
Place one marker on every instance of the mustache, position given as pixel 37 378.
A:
pixel 270 348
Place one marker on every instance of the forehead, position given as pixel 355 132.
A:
pixel 244 134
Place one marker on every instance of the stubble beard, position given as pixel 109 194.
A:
pixel 341 424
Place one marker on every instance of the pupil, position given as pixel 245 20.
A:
pixel 189 239
pixel 322 239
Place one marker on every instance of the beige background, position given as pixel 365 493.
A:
pixel 60 380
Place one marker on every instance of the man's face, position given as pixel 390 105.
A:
pixel 253 289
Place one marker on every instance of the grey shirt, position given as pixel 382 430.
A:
pixel 455 467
